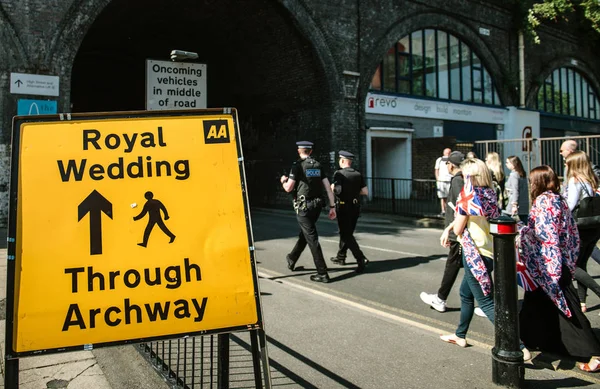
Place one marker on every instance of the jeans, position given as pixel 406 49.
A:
pixel 470 290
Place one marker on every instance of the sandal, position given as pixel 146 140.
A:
pixel 588 366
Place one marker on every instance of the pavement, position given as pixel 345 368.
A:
pixel 322 340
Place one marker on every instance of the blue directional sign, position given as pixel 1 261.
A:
pixel 36 107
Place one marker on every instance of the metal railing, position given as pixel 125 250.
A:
pixel 400 196
pixel 209 361
pixel 541 151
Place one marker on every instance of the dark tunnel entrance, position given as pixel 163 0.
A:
pixel 257 61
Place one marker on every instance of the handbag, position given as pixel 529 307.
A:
pixel 587 212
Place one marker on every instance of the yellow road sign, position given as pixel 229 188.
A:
pixel 129 226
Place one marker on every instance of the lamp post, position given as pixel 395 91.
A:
pixel 180 55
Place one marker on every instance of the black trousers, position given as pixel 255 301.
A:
pixel 589 237
pixel 308 236
pixel 453 265
pixel 347 216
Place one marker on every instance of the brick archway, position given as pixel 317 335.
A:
pixel 12 53
pixel 567 61
pixel 83 13
pixel 424 20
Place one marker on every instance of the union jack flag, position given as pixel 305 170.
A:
pixel 524 279
pixel 468 202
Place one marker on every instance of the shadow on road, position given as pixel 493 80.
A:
pixel 271 226
pixel 281 375
pixel 381 266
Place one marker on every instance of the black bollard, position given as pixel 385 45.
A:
pixel 507 357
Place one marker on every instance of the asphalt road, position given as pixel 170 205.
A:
pixel 404 261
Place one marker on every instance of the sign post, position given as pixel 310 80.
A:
pixel 126 227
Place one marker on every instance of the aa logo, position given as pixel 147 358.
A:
pixel 216 131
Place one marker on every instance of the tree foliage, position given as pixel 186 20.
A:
pixel 556 10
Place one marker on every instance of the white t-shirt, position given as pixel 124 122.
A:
pixel 443 174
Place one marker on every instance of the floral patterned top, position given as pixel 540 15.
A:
pixel 549 241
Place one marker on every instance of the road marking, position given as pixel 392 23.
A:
pixel 384 250
pixel 274 276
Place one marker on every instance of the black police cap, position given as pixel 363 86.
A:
pixel 304 144
pixel 346 154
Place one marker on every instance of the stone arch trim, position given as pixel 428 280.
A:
pixel 307 25
pixel 434 20
pixel 14 47
pixel 71 32
pixel 564 62
pixel 82 14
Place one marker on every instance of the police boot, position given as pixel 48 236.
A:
pixel 362 265
pixel 320 278
pixel 291 263
pixel 338 261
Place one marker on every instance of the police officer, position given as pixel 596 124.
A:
pixel 348 184
pixel 308 182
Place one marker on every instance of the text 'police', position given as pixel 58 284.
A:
pixel 135 167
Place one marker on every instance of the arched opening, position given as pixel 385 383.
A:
pixel 432 89
pixel 257 61
pixel 434 63
pixel 566 91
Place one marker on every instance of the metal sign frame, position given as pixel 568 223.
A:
pixel 13 255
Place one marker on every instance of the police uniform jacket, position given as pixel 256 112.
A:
pixel 351 182
pixel 309 176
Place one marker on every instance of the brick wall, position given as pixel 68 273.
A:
pixel 281 63
pixel 425 152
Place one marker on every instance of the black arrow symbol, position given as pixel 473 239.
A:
pixel 94 204
pixel 18 82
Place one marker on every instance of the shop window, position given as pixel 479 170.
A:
pixel 434 63
pixel 566 92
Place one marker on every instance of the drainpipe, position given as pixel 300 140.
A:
pixel 357 100
pixel 521 69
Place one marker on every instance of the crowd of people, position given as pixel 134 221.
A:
pixel 553 248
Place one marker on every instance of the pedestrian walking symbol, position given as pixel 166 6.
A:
pixel 153 208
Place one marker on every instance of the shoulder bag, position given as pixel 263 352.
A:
pixel 587 212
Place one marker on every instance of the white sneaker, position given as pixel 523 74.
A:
pixel 452 338
pixel 432 299
pixel 479 312
pixel 526 353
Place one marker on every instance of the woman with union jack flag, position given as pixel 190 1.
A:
pixel 475 206
pixel 551 318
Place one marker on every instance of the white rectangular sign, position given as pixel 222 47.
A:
pixel 175 85
pixel 34 84
pixel 405 106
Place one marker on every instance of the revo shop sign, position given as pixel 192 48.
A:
pixel 382 102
